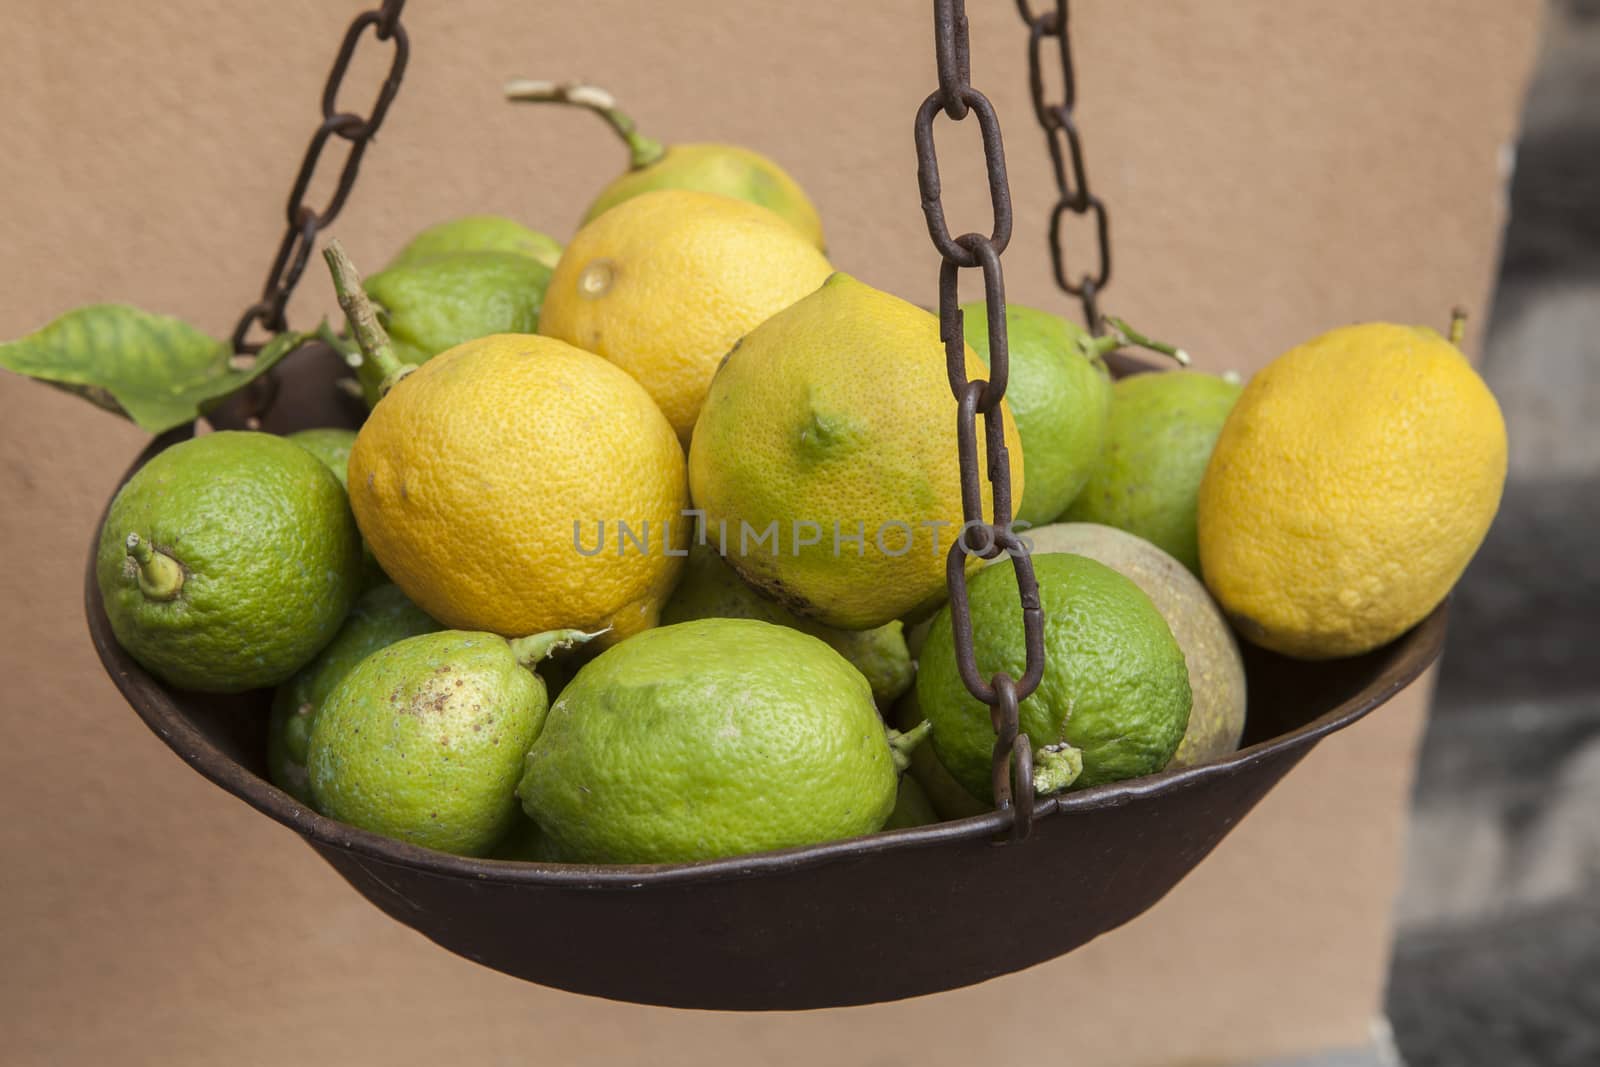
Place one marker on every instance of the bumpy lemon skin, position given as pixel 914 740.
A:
pixel 423 741
pixel 381 617
pixel 709 738
pixel 270 557
pixel 1350 486
pixel 837 411
pixel 478 476
pixel 665 283
pixel 1217 679
pixel 1115 685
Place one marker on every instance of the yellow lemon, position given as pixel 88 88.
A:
pixel 1349 488
pixel 491 483
pixel 825 458
pixel 664 283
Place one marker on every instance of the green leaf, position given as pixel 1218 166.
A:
pixel 154 369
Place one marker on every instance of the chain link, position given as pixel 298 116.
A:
pixel 304 222
pixel 1073 195
pixel 1013 755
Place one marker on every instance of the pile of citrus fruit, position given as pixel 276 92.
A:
pixel 639 555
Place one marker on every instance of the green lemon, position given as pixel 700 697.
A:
pixel 433 304
pixel 711 738
pixel 227 561
pixel 479 233
pixel 332 446
pixel 1114 699
pixel 380 617
pixel 911 806
pixel 711 589
pixel 1147 481
pixel 1060 395
pixel 1216 670
pixel 423 741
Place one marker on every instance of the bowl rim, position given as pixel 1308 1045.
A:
pixel 1406 658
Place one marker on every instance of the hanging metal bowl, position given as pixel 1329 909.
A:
pixel 877 918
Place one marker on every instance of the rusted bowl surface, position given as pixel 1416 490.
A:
pixel 877 918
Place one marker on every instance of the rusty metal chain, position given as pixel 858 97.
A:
pixel 1012 762
pixel 305 221
pixel 1066 159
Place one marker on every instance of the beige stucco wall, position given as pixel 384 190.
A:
pixel 1274 168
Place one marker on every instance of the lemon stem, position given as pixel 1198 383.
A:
pixel 1127 335
pixel 1055 768
pixel 378 368
pixel 1096 348
pixel 901 744
pixel 1458 326
pixel 642 150
pixel 160 576
pixel 530 650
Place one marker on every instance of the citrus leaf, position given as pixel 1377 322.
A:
pixel 242 371
pixel 156 370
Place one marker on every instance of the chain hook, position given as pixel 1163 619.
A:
pixel 1012 757
pixel 1011 766
pixel 1065 145
pixel 304 222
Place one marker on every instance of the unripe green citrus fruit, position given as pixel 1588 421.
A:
pixel 1060 394
pixel 379 618
pixel 1113 702
pixel 423 741
pixel 710 738
pixel 1158 442
pixel 227 561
